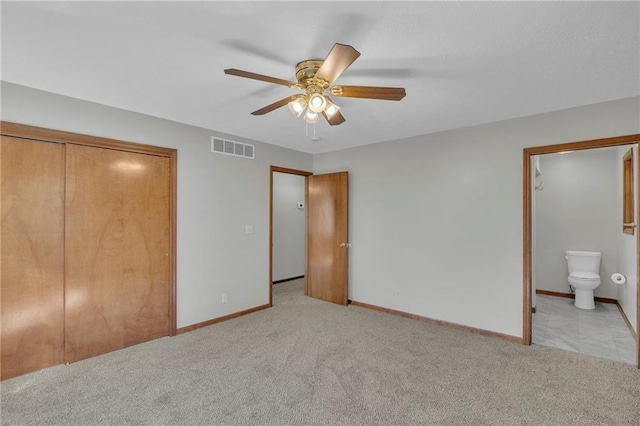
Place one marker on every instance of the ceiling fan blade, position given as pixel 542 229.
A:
pixel 254 76
pixel 369 92
pixel 275 105
pixel 335 119
pixel 338 60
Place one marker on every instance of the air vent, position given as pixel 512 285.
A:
pixel 227 147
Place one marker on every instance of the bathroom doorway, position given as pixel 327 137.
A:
pixel 573 201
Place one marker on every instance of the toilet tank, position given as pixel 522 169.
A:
pixel 583 261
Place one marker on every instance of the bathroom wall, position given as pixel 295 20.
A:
pixel 627 293
pixel 578 209
pixel 289 226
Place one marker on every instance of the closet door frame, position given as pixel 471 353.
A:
pixel 49 135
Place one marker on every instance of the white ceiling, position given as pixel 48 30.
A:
pixel 461 63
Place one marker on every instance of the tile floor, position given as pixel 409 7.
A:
pixel 601 332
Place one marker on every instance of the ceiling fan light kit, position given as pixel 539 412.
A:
pixel 311 117
pixel 317 102
pixel 314 78
pixel 298 106
pixel 331 109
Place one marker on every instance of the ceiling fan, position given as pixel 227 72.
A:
pixel 315 77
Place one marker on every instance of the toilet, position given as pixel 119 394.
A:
pixel 584 270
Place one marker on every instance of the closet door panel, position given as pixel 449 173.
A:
pixel 32 255
pixel 116 247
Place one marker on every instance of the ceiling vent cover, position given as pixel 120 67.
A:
pixel 237 149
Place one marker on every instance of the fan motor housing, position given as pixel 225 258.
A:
pixel 306 70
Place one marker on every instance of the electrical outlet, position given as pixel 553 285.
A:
pixel 248 229
pixel 397 294
pixel 224 297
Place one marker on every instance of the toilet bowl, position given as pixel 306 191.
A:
pixel 584 269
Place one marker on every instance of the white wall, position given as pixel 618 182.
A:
pixel 217 196
pixel 578 209
pixel 439 217
pixel 289 226
pixel 627 293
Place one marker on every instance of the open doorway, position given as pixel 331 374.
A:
pixel 288 231
pixel 326 238
pixel 576 211
pixel 546 297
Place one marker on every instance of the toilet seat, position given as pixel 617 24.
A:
pixel 584 276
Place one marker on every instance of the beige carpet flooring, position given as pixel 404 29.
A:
pixel 307 362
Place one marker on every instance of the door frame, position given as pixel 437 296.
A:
pixel 24 131
pixel 272 170
pixel 526 178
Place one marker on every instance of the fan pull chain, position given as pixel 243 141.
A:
pixel 313 137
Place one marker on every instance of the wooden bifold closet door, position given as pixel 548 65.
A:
pixel 116 250
pixel 32 255
pixel 85 251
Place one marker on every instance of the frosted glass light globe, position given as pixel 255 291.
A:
pixel 317 102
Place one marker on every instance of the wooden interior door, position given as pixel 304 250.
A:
pixel 327 243
pixel 32 255
pixel 117 250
